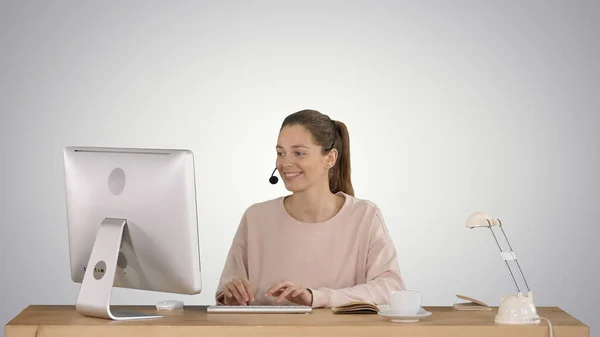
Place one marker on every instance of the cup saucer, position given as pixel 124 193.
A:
pixel 396 317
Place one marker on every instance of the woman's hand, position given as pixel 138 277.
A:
pixel 238 292
pixel 294 293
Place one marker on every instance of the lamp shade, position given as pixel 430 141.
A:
pixel 481 219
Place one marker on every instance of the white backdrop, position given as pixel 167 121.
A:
pixel 452 108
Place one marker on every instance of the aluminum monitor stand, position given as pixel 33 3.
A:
pixel 97 285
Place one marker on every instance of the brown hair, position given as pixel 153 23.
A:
pixel 329 134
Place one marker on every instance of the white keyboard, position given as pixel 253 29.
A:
pixel 263 309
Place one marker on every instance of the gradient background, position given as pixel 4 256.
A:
pixel 452 107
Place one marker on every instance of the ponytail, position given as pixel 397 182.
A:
pixel 339 175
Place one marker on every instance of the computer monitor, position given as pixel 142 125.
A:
pixel 132 223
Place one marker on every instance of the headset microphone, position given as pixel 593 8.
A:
pixel 273 180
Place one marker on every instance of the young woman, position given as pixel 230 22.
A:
pixel 319 246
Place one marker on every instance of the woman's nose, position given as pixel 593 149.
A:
pixel 285 161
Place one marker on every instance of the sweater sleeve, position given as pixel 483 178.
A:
pixel 383 273
pixel 236 264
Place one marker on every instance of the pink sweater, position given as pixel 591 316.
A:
pixel 346 258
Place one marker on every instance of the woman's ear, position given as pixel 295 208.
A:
pixel 331 158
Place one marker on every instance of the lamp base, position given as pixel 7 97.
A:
pixel 517 309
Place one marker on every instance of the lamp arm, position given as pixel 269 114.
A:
pixel 509 256
pixel 515 258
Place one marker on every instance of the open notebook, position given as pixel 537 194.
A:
pixel 359 308
pixel 472 304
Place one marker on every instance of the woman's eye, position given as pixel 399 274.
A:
pixel 279 154
pixel 299 153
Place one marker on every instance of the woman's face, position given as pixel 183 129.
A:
pixel 300 161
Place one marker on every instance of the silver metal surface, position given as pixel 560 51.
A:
pixel 259 309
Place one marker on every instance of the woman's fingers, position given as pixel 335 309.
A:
pixel 287 292
pixel 229 296
pixel 239 286
pixel 249 289
pixel 240 290
pixel 236 293
pixel 277 287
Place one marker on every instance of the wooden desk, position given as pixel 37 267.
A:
pixel 64 321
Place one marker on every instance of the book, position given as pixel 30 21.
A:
pixel 358 307
pixel 365 307
pixel 472 304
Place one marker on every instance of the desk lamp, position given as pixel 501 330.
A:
pixel 517 308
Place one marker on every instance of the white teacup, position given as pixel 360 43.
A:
pixel 405 302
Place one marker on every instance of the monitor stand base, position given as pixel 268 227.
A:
pixel 97 285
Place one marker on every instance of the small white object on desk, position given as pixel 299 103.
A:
pixel 403 318
pixel 169 305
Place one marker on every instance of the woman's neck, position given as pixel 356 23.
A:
pixel 313 205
